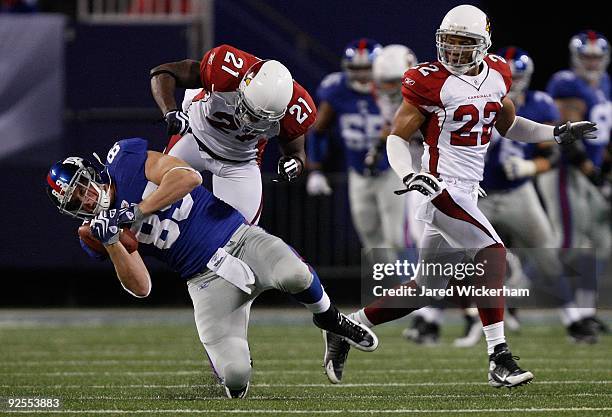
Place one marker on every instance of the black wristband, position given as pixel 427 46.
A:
pixel 163 71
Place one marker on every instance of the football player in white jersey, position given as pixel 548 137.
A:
pixel 455 102
pixel 235 104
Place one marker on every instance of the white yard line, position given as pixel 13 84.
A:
pixel 267 372
pixel 284 412
pixel 288 385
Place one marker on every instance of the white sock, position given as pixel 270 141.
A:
pixel 494 333
pixel 586 299
pixel 360 317
pixel 430 314
pixel 569 314
pixel 320 306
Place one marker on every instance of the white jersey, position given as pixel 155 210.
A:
pixel 460 114
pixel 211 111
pixel 211 119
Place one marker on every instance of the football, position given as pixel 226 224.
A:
pixel 127 238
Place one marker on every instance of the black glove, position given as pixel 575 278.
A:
pixel 571 132
pixel 177 121
pixel 289 168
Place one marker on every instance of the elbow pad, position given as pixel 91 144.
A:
pixel 525 130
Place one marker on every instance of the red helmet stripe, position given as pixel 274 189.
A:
pixel 510 52
pixel 592 35
pixel 362 44
pixel 53 184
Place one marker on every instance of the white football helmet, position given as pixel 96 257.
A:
pixel 389 68
pixel 467 22
pixel 391 63
pixel 263 96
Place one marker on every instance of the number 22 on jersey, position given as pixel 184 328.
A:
pixel 466 135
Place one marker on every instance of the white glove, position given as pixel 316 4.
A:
pixel 517 168
pixel 317 184
pixel 424 183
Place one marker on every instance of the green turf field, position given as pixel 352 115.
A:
pixel 158 368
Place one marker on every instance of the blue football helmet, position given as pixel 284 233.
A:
pixel 590 55
pixel 522 68
pixel 357 63
pixel 76 188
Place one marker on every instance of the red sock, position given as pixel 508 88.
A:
pixel 491 310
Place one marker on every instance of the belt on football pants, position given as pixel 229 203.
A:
pixel 213 155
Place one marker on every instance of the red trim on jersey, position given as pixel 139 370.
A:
pixel 445 203
pixel 199 96
pixel 173 141
pixel 258 214
pixel 219 74
pixel 362 44
pixel 53 184
pixel 290 127
pixel 261 146
pixel 424 90
pixel 503 68
pixel 592 35
pixel 431 132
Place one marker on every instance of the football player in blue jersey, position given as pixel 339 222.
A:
pixel 577 209
pixel 225 262
pixel 348 111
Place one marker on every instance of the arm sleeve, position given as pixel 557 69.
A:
pixel 528 131
pixel 399 156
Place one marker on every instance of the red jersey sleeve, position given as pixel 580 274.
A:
pixel 223 67
pixel 421 85
pixel 500 65
pixel 301 114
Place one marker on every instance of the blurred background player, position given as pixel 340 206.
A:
pixel 572 193
pixel 237 103
pixel 348 110
pixel 388 70
pixel 225 262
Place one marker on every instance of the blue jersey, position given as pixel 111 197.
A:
pixel 566 84
pixel 358 123
pixel 538 107
pixel 184 235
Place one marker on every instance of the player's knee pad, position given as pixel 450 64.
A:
pixel 293 275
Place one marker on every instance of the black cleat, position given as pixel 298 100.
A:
pixel 596 324
pixel 355 334
pixel 239 394
pixel 581 332
pixel 504 371
pixel 422 332
pixel 336 352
